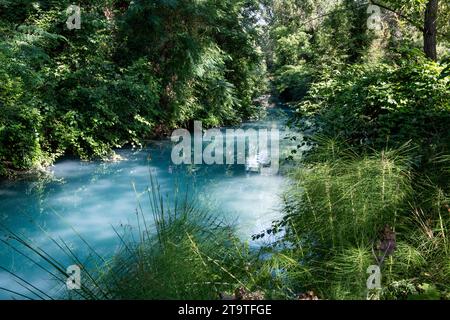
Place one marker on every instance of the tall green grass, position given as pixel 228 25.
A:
pixel 190 254
pixel 335 212
pixel 177 250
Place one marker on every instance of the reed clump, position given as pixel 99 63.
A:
pixel 346 211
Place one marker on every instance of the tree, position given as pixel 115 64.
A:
pixel 430 29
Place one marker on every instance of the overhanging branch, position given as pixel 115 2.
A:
pixel 406 18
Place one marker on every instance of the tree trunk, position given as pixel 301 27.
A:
pixel 430 30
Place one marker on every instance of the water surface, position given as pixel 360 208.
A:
pixel 92 197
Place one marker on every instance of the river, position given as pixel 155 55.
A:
pixel 93 197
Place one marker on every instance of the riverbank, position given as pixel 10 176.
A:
pixel 41 170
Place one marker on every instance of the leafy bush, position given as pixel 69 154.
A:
pixel 20 118
pixel 382 104
pixel 134 70
pixel 292 82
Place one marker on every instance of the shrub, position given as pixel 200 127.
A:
pixel 381 104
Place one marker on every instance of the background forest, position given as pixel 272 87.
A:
pixel 131 72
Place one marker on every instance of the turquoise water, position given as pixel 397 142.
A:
pixel 94 197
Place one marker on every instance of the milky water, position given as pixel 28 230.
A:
pixel 90 198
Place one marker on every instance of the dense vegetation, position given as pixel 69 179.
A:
pixel 373 190
pixel 135 69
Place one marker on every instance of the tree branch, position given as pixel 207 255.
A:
pixel 413 23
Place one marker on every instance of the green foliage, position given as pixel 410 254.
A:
pixel 197 48
pixel 190 255
pixel 382 104
pixel 21 118
pixel 335 210
pixel 292 82
pixel 309 38
pixel 133 70
pixel 379 94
